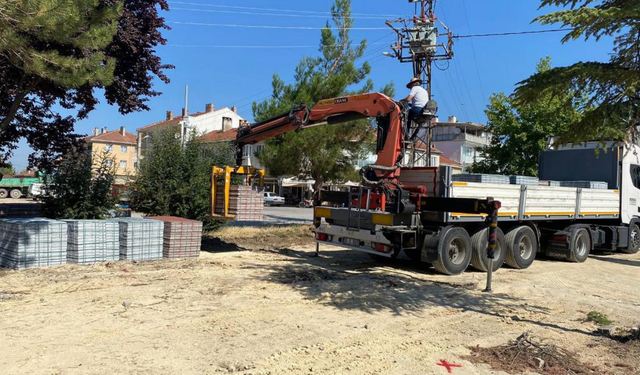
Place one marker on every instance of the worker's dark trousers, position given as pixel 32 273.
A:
pixel 413 113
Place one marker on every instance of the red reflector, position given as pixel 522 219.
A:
pixel 382 248
pixel 560 238
pixel 322 236
pixel 497 204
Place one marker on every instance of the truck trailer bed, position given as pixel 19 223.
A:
pixel 527 202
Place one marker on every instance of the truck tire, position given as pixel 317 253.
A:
pixel 3 193
pixel 479 242
pixel 580 246
pixel 15 194
pixel 634 240
pixel 522 246
pixel 454 251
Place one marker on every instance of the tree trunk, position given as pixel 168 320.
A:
pixel 21 93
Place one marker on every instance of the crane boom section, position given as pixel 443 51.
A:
pixel 335 111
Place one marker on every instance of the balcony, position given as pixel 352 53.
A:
pixel 465 137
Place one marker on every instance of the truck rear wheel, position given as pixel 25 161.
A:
pixel 580 246
pixel 634 240
pixel 15 194
pixel 480 242
pixel 454 251
pixel 522 245
pixel 3 193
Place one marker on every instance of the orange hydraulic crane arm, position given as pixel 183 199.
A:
pixel 334 111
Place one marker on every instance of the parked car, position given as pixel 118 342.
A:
pixel 273 199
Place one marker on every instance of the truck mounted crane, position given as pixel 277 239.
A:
pixel 389 212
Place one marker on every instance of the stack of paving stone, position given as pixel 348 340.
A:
pixel 35 242
pixel 585 184
pixel 140 239
pixel 92 241
pixel 182 237
pixel 245 203
pixel 549 183
pixel 523 180
pixel 484 178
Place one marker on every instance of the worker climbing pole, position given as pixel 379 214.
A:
pixel 421 43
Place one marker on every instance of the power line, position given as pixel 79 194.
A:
pixel 370 61
pixel 279 9
pixel 261 46
pixel 276 27
pixel 511 33
pixel 473 51
pixel 270 14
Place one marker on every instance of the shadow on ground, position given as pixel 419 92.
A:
pixel 612 259
pixel 349 280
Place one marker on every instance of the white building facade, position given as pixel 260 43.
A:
pixel 211 120
pixel 461 141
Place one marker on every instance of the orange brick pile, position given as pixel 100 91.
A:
pixel 182 237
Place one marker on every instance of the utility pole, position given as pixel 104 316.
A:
pixel 420 43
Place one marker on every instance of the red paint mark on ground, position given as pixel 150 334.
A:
pixel 447 365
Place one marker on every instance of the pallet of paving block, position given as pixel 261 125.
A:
pixel 34 242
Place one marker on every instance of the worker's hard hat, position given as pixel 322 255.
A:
pixel 414 80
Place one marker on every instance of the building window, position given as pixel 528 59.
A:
pixel 108 148
pixel 123 164
pixel 259 149
pixel 246 151
pixel 434 161
pixel 108 163
pixel 123 149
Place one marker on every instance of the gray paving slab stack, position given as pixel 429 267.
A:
pixel 34 242
pixel 549 183
pixel 140 239
pixel 585 184
pixel 92 241
pixel 523 180
pixel 485 178
pixel 182 237
pixel 245 203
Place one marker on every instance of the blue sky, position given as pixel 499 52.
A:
pixel 239 76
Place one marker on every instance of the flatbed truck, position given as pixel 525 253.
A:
pixel 559 222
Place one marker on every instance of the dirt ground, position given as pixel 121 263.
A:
pixel 269 307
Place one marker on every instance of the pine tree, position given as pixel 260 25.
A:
pixel 56 53
pixel 612 88
pixel 521 130
pixel 324 153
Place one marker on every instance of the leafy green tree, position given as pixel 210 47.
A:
pixel 8 168
pixel 613 87
pixel 56 53
pixel 81 187
pixel 521 130
pixel 324 153
pixel 175 179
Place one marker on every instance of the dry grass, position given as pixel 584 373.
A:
pixel 259 238
pixel 242 233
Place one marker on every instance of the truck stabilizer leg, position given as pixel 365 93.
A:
pixel 492 219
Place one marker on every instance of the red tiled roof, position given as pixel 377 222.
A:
pixel 174 121
pixel 446 161
pixel 423 146
pixel 217 136
pixel 26 174
pixel 113 136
